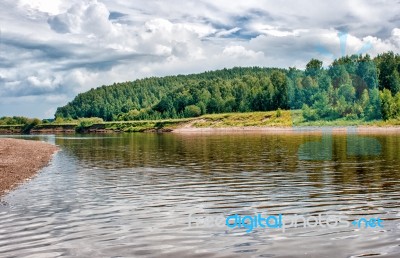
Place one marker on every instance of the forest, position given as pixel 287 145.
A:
pixel 351 87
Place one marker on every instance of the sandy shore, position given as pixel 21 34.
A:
pixel 293 130
pixel 20 160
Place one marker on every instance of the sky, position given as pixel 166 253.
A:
pixel 52 50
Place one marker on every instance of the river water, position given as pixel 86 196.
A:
pixel 167 195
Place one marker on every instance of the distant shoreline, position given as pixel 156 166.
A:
pixel 21 160
pixel 284 121
pixel 187 129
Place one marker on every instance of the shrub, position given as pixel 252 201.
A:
pixel 309 114
pixel 192 111
pixel 387 105
pixel 279 112
pixel 26 129
pixel 87 122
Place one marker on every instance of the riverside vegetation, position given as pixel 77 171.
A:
pixel 353 90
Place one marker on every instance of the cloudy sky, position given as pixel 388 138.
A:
pixel 52 50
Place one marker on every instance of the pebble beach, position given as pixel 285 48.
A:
pixel 21 160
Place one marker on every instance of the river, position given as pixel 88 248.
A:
pixel 168 195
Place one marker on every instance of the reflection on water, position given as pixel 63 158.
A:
pixel 130 195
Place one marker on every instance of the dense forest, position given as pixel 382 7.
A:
pixel 352 87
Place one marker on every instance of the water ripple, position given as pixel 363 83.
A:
pixel 132 195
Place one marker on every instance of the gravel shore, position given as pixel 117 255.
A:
pixel 20 160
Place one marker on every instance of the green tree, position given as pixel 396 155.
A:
pixel 278 80
pixel 313 67
pixel 373 109
pixel 387 105
pixel 388 65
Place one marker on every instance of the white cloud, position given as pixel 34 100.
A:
pixel 396 37
pixel 241 52
pixel 275 31
pixel 83 18
pixel 51 7
pixel 52 50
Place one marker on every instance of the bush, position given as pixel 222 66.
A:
pixel 26 129
pixel 279 112
pixel 351 117
pixel 192 111
pixel 15 120
pixel 309 114
pixel 59 120
pixel 87 122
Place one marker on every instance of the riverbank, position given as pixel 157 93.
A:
pixel 21 160
pixel 270 121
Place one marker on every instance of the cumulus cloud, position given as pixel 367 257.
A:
pixel 91 18
pixel 52 50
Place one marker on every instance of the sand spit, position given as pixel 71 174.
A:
pixel 20 160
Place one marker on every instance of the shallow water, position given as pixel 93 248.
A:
pixel 133 195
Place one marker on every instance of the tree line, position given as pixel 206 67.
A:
pixel 352 87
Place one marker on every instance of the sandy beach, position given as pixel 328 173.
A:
pixel 20 160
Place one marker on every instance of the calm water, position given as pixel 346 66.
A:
pixel 131 195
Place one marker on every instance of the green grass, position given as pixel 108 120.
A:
pixel 145 125
pixel 53 125
pixel 7 126
pixel 287 118
pixel 270 118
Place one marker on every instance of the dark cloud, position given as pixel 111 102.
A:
pixel 6 63
pixel 116 15
pixel 58 25
pixel 107 62
pixel 48 50
pixel 25 89
pixel 251 15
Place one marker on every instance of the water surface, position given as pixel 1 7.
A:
pixel 131 195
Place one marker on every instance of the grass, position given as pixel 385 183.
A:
pixel 145 125
pixel 54 125
pixel 284 118
pixel 10 126
pixel 270 118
